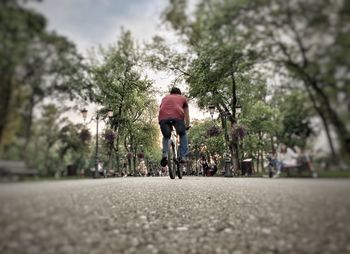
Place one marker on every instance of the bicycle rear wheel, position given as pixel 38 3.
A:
pixel 171 161
pixel 179 170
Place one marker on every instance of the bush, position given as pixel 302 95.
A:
pixel 213 131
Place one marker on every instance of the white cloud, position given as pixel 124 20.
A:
pixel 91 23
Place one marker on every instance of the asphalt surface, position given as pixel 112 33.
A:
pixel 192 215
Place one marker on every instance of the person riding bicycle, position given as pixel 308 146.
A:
pixel 174 111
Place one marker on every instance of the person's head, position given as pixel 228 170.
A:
pixel 282 148
pixel 175 90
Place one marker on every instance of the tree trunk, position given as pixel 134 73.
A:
pixel 117 151
pixel 260 151
pixel 234 153
pixel 134 161
pixel 5 95
pixel 272 144
pixel 234 146
pixel 324 121
pixel 342 132
pixel 28 128
pixel 110 158
pixel 324 109
pixel 46 160
pixel 234 96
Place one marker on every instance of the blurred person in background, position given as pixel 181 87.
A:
pixel 305 161
pixel 286 156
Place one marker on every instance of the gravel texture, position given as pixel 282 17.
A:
pixel 192 215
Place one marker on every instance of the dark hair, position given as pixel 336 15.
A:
pixel 175 90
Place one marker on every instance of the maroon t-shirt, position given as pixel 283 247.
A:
pixel 172 106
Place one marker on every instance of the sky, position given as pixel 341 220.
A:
pixel 90 23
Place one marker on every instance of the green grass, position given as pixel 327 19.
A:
pixel 334 174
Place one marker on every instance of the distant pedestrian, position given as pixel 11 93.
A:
pixel 124 172
pixel 204 165
pixel 305 161
pixel 142 169
pixel 285 157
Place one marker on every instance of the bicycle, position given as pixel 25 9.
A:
pixel 174 165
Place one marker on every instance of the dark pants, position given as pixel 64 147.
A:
pixel 166 128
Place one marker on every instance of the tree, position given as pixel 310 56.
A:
pixel 208 134
pixel 19 28
pixel 289 36
pixel 123 87
pixel 309 42
pixel 35 65
pixel 263 124
pixel 49 131
pixel 74 145
pixel 295 115
pixel 217 67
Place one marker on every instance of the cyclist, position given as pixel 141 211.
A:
pixel 174 109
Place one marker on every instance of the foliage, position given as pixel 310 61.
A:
pixel 109 136
pixel 213 131
pixel 238 131
pixel 159 56
pixel 305 44
pixel 47 134
pixel 73 148
pixel 85 135
pixel 122 86
pixel 198 138
pixel 34 65
pixel 296 115
pixel 230 52
pixel 219 68
pixel 37 64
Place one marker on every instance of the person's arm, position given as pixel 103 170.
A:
pixel 292 154
pixel 187 117
pixel 281 156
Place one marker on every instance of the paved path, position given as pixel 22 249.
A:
pixel 159 215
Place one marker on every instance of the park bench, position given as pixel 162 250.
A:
pixel 301 166
pixel 15 170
